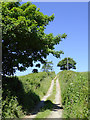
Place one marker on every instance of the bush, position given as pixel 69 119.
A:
pixel 11 108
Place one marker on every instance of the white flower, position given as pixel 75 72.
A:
pixel 71 83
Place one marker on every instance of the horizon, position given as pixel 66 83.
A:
pixel 55 73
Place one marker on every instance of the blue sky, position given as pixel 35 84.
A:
pixel 70 18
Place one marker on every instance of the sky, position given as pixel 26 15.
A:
pixel 70 18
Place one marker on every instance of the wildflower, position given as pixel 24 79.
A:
pixel 71 83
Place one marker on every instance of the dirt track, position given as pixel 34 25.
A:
pixel 34 113
pixel 57 111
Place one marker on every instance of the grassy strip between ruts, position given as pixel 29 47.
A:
pixel 21 94
pixel 48 104
pixel 74 92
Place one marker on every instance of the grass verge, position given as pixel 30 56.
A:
pixel 74 92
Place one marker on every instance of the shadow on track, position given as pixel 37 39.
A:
pixel 44 105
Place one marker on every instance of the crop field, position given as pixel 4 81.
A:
pixel 74 92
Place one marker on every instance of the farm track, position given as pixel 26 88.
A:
pixel 57 110
pixel 41 103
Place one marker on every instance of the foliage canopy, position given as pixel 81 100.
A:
pixel 67 64
pixel 23 37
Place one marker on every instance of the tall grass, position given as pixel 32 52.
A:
pixel 74 92
pixel 21 94
pixel 37 82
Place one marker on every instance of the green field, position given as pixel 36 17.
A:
pixel 21 94
pixel 74 92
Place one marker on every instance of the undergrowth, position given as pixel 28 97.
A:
pixel 74 92
pixel 21 94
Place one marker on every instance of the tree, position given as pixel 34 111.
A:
pixel 38 65
pixel 67 64
pixel 23 37
pixel 47 66
pixel 35 71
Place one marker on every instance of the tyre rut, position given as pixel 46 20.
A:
pixel 57 111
